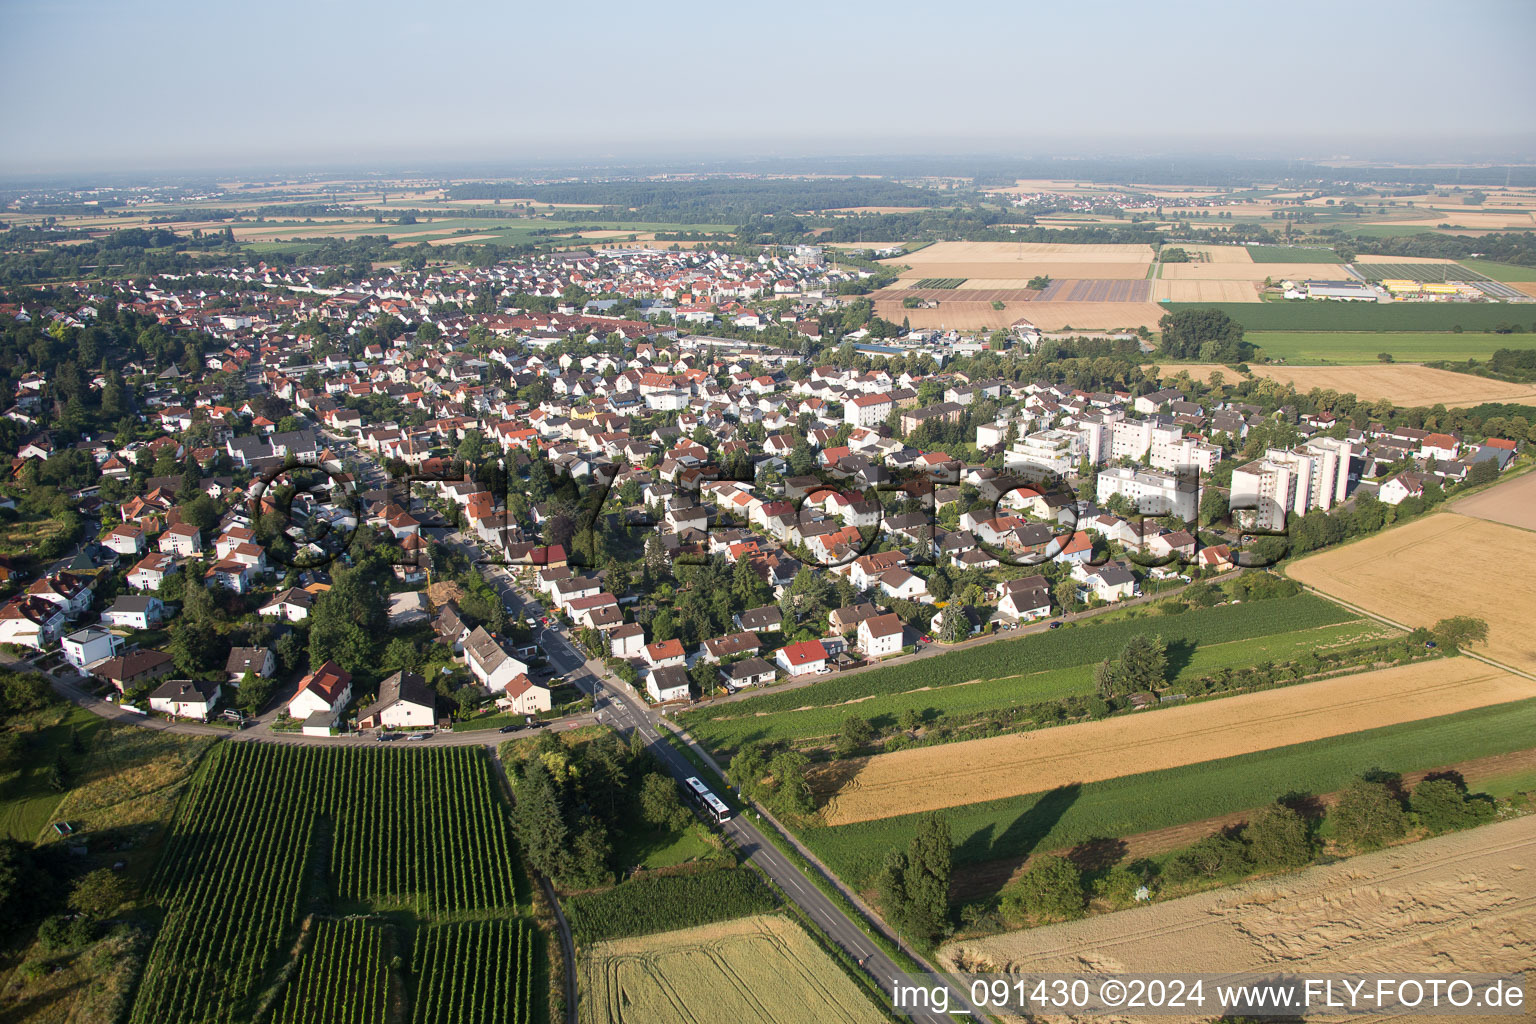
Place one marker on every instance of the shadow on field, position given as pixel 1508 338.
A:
pixel 998 856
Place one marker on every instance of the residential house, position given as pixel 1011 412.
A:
pixel 627 640
pixel 738 675
pixel 135 668
pixel 490 662
pixel 137 611
pixel 806 658
pixel 881 635
pixel 260 662
pixel 182 539
pixel 665 654
pixel 523 696
pixel 186 698
pixel 323 694
pixel 90 645
pixel 405 702
pixel 151 572
pixel 28 621
pixel 292 604
pixel 667 683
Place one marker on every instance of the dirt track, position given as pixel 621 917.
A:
pixel 989 877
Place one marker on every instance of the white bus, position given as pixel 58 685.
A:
pixel 711 804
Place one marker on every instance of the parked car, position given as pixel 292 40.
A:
pixel 1056 625
pixel 510 728
pixel 927 639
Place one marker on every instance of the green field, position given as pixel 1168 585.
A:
pixel 943 283
pixel 1138 803
pixel 1291 254
pixel 1500 271
pixel 1041 666
pixel 1363 346
pixel 1307 315
pixel 822 723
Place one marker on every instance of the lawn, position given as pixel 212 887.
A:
pixel 1138 803
pixel 1308 315
pixel 1039 667
pixel 27 797
pixel 1501 271
pixel 1363 346
pixel 962 701
pixel 1291 254
pixel 652 850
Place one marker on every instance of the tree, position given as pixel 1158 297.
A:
pixel 1460 631
pixel 659 805
pixel 1215 856
pixel 856 733
pixel 792 792
pixel 914 886
pixel 1368 815
pixel 537 820
pixel 1205 333
pixel 1441 805
pixel 98 893
pixel 1051 890
pixel 1143 664
pixel 957 625
pixel 1213 506
pixel 1277 838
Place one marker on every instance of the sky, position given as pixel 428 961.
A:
pixel 169 85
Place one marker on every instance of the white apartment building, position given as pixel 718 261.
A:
pixel 1154 493
pixel 1316 475
pixel 1186 453
pixel 1057 451
pixel 867 410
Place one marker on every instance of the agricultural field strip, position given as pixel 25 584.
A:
pixel 1010 827
pixel 1021 763
pixel 1307 315
pixel 1426 272
pixel 1454 899
pixel 249 826
pixel 975 696
pixel 755 970
pixel 1466 558
pixel 1040 652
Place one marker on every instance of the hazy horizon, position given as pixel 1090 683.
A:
pixel 185 88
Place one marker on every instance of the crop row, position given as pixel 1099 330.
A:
pixel 477 972
pixel 1076 645
pixel 264 826
pixel 1015 826
pixel 342 978
pixel 664 903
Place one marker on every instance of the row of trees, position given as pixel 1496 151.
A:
pixel 1373 811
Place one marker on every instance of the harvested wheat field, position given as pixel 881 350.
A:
pixel 1252 271
pixel 1368 258
pixel 1012 252
pixel 1020 270
pixel 1436 567
pixel 957 314
pixel 1528 287
pixel 950 775
pixel 1057 316
pixel 1406 384
pixel 1205 291
pixel 755 970
pixel 1217 253
pixel 1512 503
pixel 1460 903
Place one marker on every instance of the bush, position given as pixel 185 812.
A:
pixel 1277 838
pixel 1441 805
pixel 1217 856
pixel 63 931
pixel 1368 815
pixel 1118 886
pixel 1051 890
pixel 660 903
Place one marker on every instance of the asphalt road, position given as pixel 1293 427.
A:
pixel 627 713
